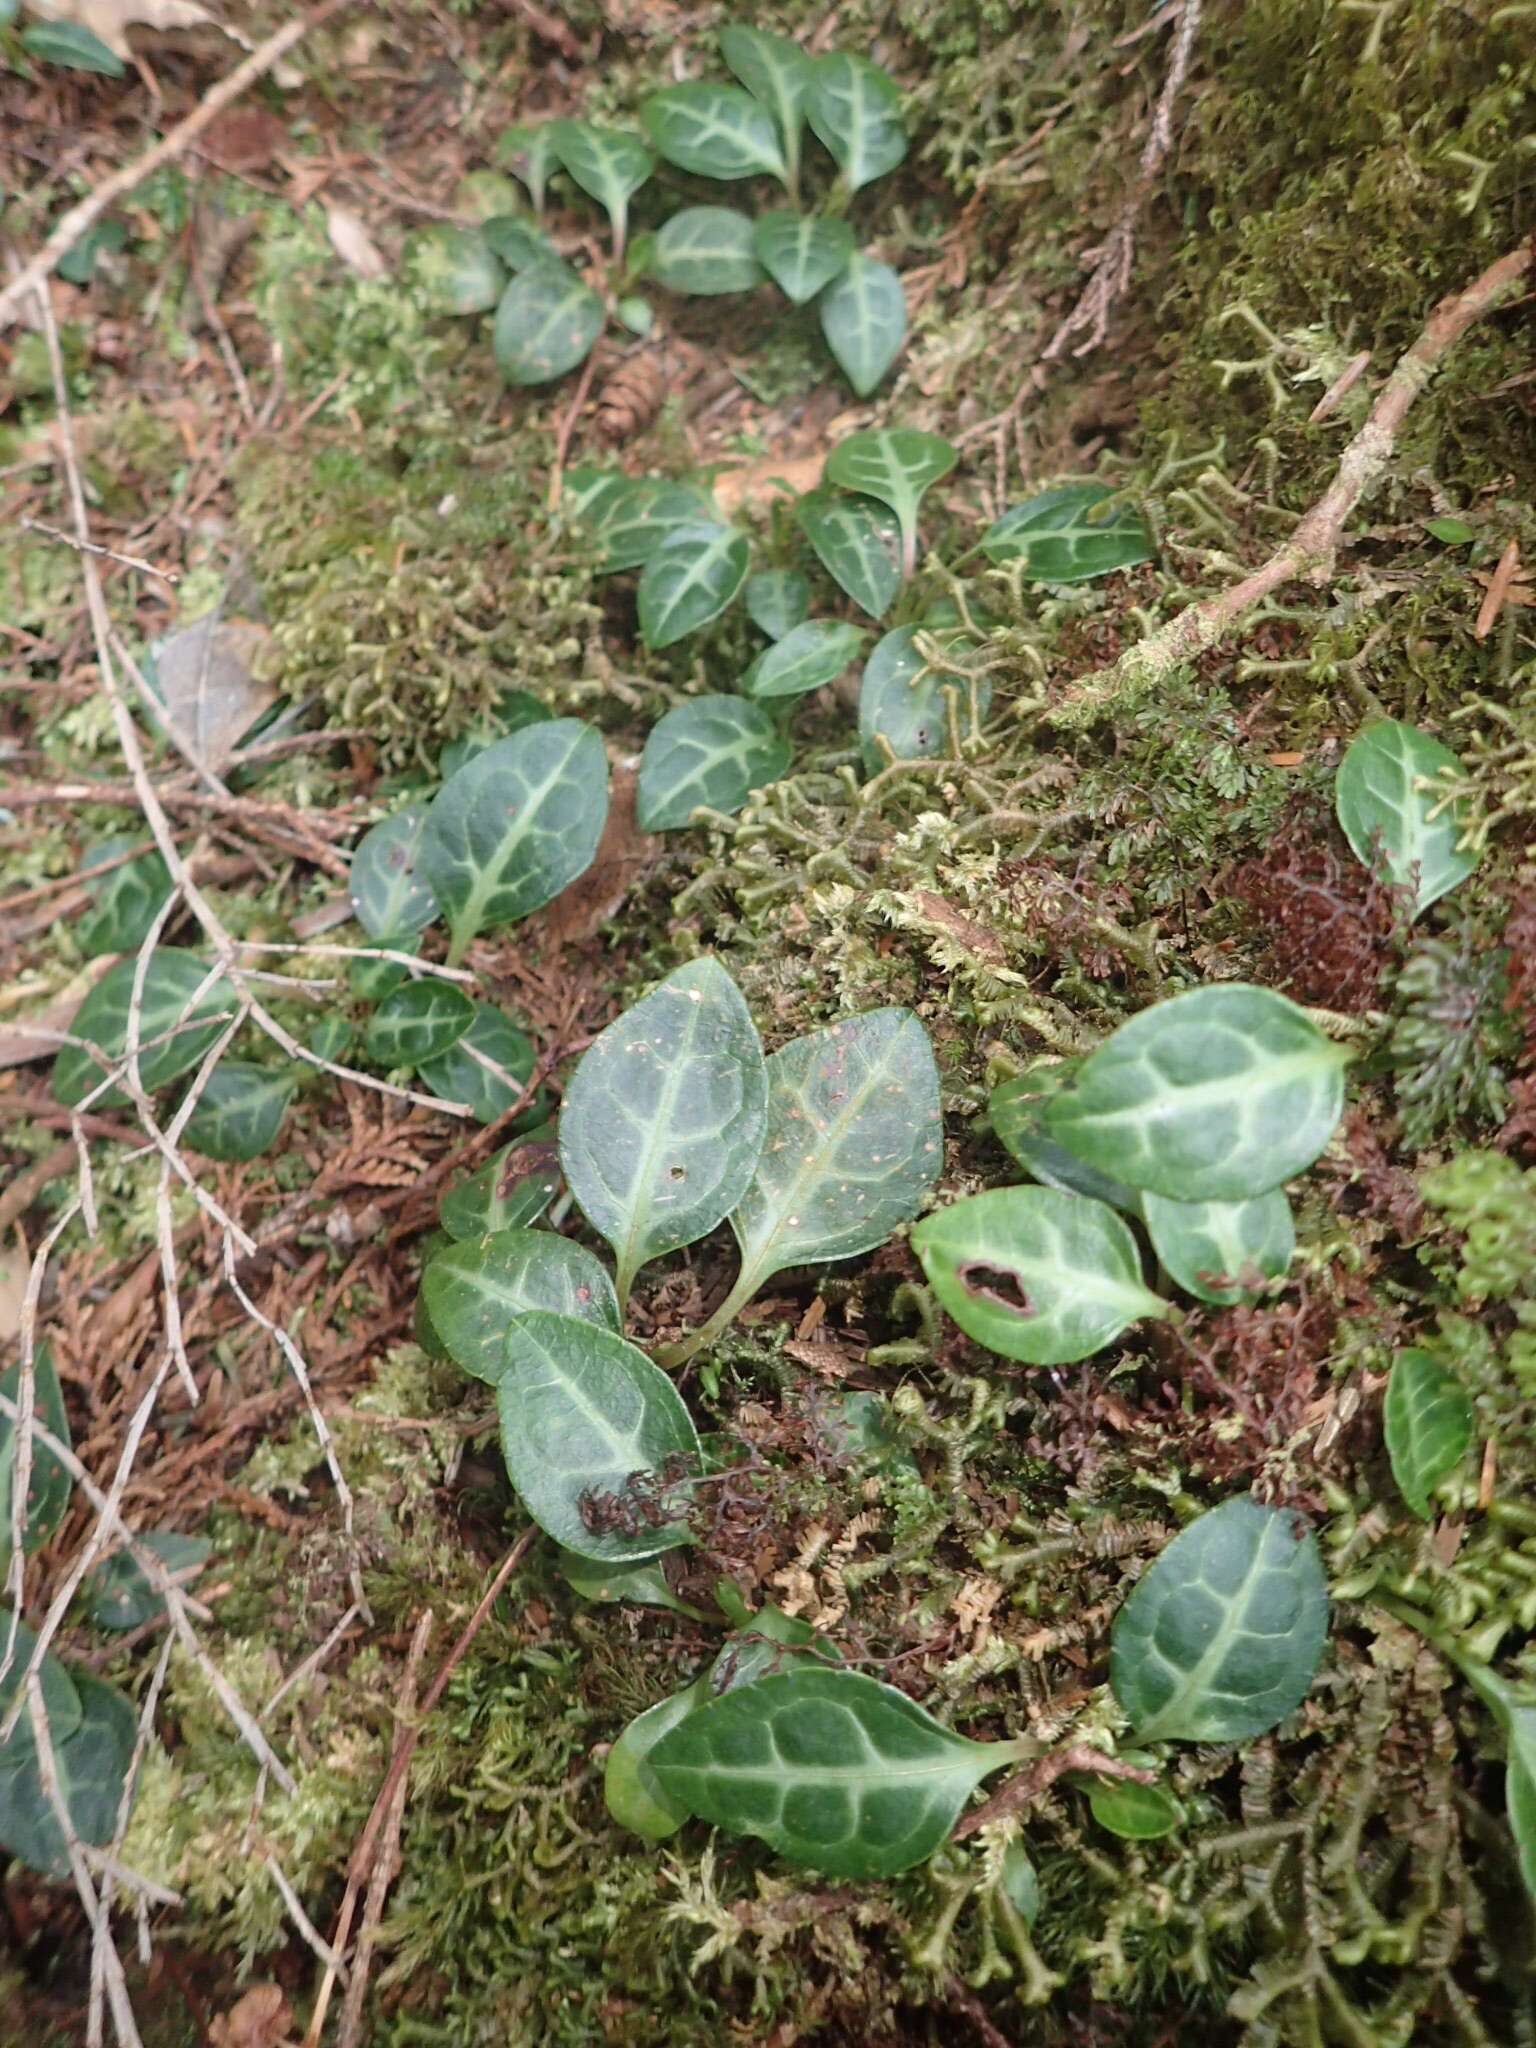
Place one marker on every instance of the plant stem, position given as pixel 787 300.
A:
pixel 748 1280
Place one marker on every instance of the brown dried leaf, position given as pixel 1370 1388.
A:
pixel 262 2019
pixel 353 243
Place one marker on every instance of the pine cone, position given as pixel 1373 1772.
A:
pixel 632 396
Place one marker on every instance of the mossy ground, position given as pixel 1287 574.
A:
pixel 1345 1881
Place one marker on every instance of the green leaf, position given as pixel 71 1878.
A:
pixel 806 659
pixel 457 269
pixel 631 1792
pixel 240 1110
pixel 582 1415
pixel 857 542
pixel 855 110
pixel 764 1644
pixel 629 517
pixel 72 45
pixel 417 1021
pixel 835 1771
pixel 854 1144
pixel 330 1039
pixel 864 318
pixel 607 164
pixel 371 978
pixel 717 131
pixel 802 254
pixel 1427 1416
pixel 689 580
pixel 78 263
pixel 388 893
pixel 905 703
pixel 1216 1095
pixel 896 466
pixel 1382 805
pixel 1019 1882
pixel 711 752
pixel 118 1595
pixel 706 250
pixel 645 1584
pixel 513 710
pixel 777 600
pixel 61 1697
pixel 1016 1107
pixel 528 151
pixel 778 73
pixel 1224 1252
pixel 91 1766
pixel 174 1031
pixel 1520 1789
pixel 1137 1813
pixel 48 1483
pixel 1454 532
pixel 1221 1638
pixel 513 1188
pixel 519 244
pixel 125 901
pixel 545 325
pixel 1034 1274
pixel 514 827
pixel 458 1076
pixel 1070 534
pixel 664 1117
pixel 473 1290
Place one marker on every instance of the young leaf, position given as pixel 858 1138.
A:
pixel 125 901
pixel 174 1030
pixel 710 752
pixel 458 1076
pixel 717 131
pixel 1223 1252
pixel 1135 1812
pixel 473 1290
pixel 582 1415
pixel 689 580
pixel 514 826
pixel 1386 813
pixel 706 250
pixel 1427 1417
pixel 416 1022
pixel 631 1792
pixel 388 894
pixel 240 1110
pixel 855 109
pixel 546 323
pixel 48 1484
pixel 1220 1640
pixel 857 542
pixel 907 705
pixel 777 601
pixel 664 1117
pixel 528 152
pixel 513 1189
pixel 456 269
pixel 864 318
pixel 1020 1883
pixel 72 46
pixel 1015 1108
pixel 1070 534
pixel 777 73
pixel 835 1771
pixel 1034 1274
pixel 118 1595
pixel 896 466
pixel 806 659
pixel 608 165
pixel 1216 1095
pixel 91 1767
pixel 629 517
pixel 802 254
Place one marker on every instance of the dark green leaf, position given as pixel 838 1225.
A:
pixel 240 1110
pixel 607 164
pixel 706 250
pixel 806 659
pixel 174 1030
pixel 1019 1883
pixel 372 976
pixel 61 1697
pixel 645 1584
pixel 857 542
pixel 629 517
pixel 864 318
pixel 1454 532
pixel 717 131
pixel 72 45
pixel 461 1074
pixel 1427 1416
pixel 907 704
pixel 1389 813
pixel 545 325
pixel 513 1188
pixel 802 254
pixel 118 1594
pixel 896 466
pixel 689 580
pixel 388 893
pixel 92 1769
pixel 330 1039
pixel 777 73
pixel 416 1022
pixel 1223 1252
pixel 514 709
pixel 474 1290
pixel 78 264
pixel 1016 1107
pixel 777 600
pixel 457 269
pixel 48 1483
pixel 710 752
pixel 855 110
pixel 519 244
pixel 1138 1813
pixel 125 901
pixel 1070 534
pixel 630 1790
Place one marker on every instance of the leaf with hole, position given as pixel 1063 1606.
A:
pixel 1223 1252
pixel 897 466
pixel 476 1289
pixel 802 254
pixel 457 270
pixel 1034 1274
pixel 513 1188
pixel 777 601
pixel 1070 534
pixel 388 893
pixel 48 1482
pixel 608 165
pixel 1216 1095
pixel 586 1420
pixel 125 901
pixel 487 1069
pixel 689 580
pixel 835 1771
pixel 706 250
pixel 1427 1417
pixel 716 131
pixel 91 1768
pixel 905 706
pixel 855 110
pixel 864 319
pixel 240 1110
pixel 1390 817
pixel 177 1026
pixel 1015 1108
pixel 631 1792
pixel 806 659
pixel 118 1593
pixel 778 74
pixel 72 46
pixel 664 1117
pixel 1221 1638
pixel 528 151
pixel 545 325
pixel 1135 1812
pixel 417 1021
pixel 857 542
pixel 709 753
pixel 629 517
pixel 514 826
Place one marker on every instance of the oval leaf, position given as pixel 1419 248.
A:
pixel 857 542
pixel 905 706
pixel 1223 1635
pixel 1015 1109
pixel 644 1585
pixel 631 1792
pixel 174 1030
pixel 607 164
pixel 125 901
pixel 528 152
pixel 778 74
pixel 1034 1274
pixel 1390 818
pixel 807 658
pixel 855 110
pixel 456 270
pixel 1070 534
pixel 518 244
pixel 664 1117
pixel 545 325
pixel 718 131
pixel 417 1021
pixel 896 466
pixel 777 600
pixel 511 1190
pixel 240 1110
pixel 1223 1252
pixel 1427 1416
pixel 1216 1095
pixel 486 1070
pixel 74 47
pixel 48 1482
pixel 61 1699
pixel 802 254
pixel 388 894
pixel 91 1768
pixel 1137 1813
pixel 710 752
pixel 582 1415
pixel 706 250
pixel 474 1290
pixel 629 517
pixel 689 580
pixel 864 318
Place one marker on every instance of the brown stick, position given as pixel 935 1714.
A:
pixel 1311 549
pixel 1031 1784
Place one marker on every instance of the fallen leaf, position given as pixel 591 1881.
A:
pixel 242 139
pixel 112 19
pixel 261 2019
pixel 353 243
pixel 757 481
pixel 206 685
pixel 622 853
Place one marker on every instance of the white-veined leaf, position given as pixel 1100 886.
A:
pixel 1223 1252
pixel 474 1289
pixel 708 752
pixel 896 466
pixel 802 254
pixel 607 164
pixel 546 323
pixel 717 131
pixel 1391 812
pixel 706 251
pixel 807 658
pixel 1427 1417
pixel 857 542
pixel 1070 534
pixel 864 318
pixel 855 110
pixel 690 579
pixel 777 601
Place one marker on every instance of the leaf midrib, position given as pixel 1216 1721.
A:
pixel 1211 1658
pixel 1198 1094
pixel 484 880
